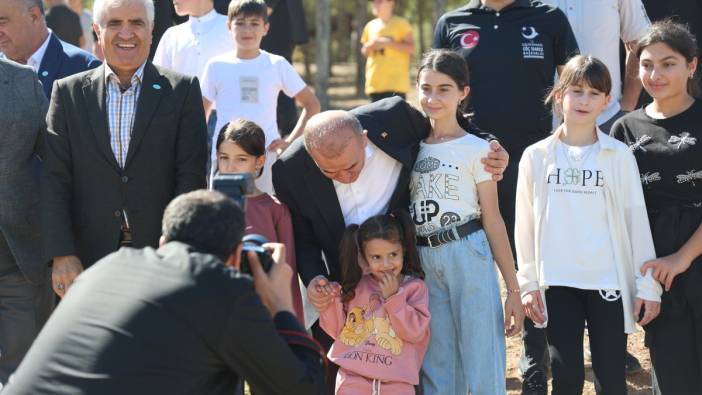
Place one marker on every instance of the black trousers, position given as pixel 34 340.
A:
pixel 568 309
pixel 675 336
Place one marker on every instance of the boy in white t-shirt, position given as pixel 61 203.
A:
pixel 245 83
pixel 186 48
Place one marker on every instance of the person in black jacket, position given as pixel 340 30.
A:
pixel 122 141
pixel 180 319
pixel 373 149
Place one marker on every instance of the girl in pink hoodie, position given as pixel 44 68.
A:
pixel 379 317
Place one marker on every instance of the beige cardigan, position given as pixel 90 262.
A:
pixel 626 216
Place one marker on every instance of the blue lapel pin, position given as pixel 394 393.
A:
pixel 156 86
pixel 44 73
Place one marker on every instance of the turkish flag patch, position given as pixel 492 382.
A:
pixel 470 39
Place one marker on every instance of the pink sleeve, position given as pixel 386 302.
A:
pixel 408 310
pixel 332 319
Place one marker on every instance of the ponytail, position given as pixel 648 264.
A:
pixel 351 271
pixel 411 264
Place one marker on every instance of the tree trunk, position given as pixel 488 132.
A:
pixel 360 21
pixel 439 9
pixel 323 39
pixel 422 30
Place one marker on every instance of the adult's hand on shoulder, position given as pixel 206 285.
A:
pixel 273 287
pixel 64 272
pixel 496 161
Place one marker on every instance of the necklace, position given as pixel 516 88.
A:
pixel 573 173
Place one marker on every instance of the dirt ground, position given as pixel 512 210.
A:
pixel 343 96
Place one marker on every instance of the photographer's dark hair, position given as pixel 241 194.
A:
pixel 580 70
pixel 208 221
pixel 678 37
pixel 247 8
pixel 452 64
pixel 396 227
pixel 246 134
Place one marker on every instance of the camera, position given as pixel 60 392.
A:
pixel 255 243
pixel 236 186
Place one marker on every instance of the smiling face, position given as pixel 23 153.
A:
pixel 125 38
pixel 582 104
pixel 383 257
pixel 439 95
pixel 664 72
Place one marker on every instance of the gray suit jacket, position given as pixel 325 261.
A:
pixel 22 109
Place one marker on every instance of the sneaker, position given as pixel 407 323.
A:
pixel 632 364
pixel 535 384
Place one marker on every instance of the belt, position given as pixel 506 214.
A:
pixel 448 235
pixel 125 238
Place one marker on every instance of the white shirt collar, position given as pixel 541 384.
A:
pixel 34 61
pixel 205 18
pixel 137 77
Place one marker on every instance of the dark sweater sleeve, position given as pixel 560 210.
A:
pixel 275 356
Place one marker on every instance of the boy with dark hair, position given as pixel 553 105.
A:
pixel 245 83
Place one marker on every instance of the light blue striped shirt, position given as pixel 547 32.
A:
pixel 121 110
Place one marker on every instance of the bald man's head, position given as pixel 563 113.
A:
pixel 336 142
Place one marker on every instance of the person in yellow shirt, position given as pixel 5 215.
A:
pixel 387 45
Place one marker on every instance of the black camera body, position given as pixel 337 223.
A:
pixel 236 186
pixel 255 243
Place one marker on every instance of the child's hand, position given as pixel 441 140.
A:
pixel 666 268
pixel 389 284
pixel 514 314
pixel 534 307
pixel 650 308
pixel 278 146
pixel 321 292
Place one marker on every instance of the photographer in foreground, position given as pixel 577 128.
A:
pixel 176 320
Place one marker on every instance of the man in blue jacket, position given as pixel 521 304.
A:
pixel 25 38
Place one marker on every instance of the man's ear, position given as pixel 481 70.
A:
pixel 162 241
pixel 35 14
pixel 365 138
pixel 234 259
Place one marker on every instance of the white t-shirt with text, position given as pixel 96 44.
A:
pixel 576 245
pixel 444 182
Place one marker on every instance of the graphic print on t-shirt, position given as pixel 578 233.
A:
pixel 363 329
pixel 574 173
pixel 531 48
pixel 682 140
pixel 249 89
pixel 430 188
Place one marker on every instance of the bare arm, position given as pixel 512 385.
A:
pixel 310 106
pixel 496 233
pixel 631 86
pixel 666 268
pixel 405 46
pixel 208 107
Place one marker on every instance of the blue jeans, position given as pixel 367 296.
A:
pixel 466 351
